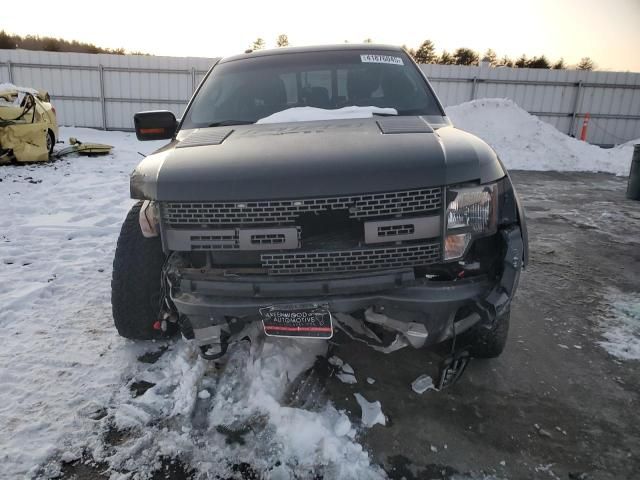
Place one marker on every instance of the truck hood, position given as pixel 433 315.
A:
pixel 312 159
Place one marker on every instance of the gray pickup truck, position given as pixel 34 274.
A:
pixel 315 189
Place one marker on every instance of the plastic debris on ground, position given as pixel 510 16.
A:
pixel 422 384
pixel 371 412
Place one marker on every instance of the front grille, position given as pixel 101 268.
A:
pixel 296 263
pixel 268 239
pixel 220 241
pixel 408 202
pixel 395 230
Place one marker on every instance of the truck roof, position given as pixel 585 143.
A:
pixel 314 48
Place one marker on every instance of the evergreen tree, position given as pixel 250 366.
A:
pixel 446 58
pixel 465 56
pixel 538 62
pixel 491 57
pixel 410 51
pixel 586 64
pixel 6 41
pixel 522 62
pixel 426 53
pixel 51 44
pixel 559 65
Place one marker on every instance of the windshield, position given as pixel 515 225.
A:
pixel 247 90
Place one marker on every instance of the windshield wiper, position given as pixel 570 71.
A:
pixel 225 123
pixel 379 114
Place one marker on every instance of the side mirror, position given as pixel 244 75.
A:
pixel 155 125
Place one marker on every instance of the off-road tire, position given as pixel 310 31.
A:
pixel 489 342
pixel 136 281
pixel 51 141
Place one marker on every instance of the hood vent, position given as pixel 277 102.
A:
pixel 391 125
pixel 208 136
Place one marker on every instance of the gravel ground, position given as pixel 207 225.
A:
pixel 555 404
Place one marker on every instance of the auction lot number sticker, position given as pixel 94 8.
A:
pixel 391 60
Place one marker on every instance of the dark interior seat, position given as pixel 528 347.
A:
pixel 319 97
pixel 360 87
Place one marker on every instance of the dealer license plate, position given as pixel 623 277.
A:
pixel 298 320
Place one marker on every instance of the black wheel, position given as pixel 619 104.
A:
pixel 136 281
pixel 489 342
pixel 51 141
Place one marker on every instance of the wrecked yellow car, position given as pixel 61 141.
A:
pixel 28 125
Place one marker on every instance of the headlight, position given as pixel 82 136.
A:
pixel 470 211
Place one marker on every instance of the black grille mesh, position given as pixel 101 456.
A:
pixel 407 202
pixel 351 260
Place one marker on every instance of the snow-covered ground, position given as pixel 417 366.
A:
pixel 67 379
pixel 525 142
pixel 66 376
pixel 621 328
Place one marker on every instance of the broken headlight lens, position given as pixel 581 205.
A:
pixel 470 211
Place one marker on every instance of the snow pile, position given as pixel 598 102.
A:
pixel 214 419
pixel 307 114
pixel 67 377
pixel 11 86
pixel 622 328
pixel 525 142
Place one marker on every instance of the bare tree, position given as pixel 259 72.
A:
pixel 282 41
pixel 258 44
pixel 586 64
pixel 506 62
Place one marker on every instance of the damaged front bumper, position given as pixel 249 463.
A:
pixel 425 312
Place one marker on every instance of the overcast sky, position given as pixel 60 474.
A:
pixel 608 31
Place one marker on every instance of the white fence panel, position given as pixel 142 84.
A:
pixel 104 91
pixel 560 97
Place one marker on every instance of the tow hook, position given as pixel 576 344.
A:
pixel 452 367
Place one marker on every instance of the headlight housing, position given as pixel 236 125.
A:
pixel 471 211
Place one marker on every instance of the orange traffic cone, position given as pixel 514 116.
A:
pixel 585 125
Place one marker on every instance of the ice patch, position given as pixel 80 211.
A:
pixel 346 374
pixel 621 328
pixel 308 114
pixel 335 361
pixel 371 411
